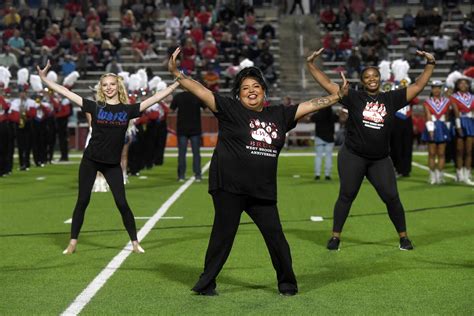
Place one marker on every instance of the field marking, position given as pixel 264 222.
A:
pixel 68 221
pixel 91 290
pixel 448 175
pixel 163 217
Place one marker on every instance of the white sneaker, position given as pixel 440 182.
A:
pixel 432 180
pixel 125 179
pixel 459 175
pixel 467 174
pixel 440 176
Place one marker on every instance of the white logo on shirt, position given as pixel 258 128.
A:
pixel 264 133
pixel 374 115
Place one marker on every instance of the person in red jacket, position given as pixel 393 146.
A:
pixel 4 134
pixel 62 111
pixel 22 111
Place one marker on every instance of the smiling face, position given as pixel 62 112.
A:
pixel 436 91
pixel 109 86
pixel 371 80
pixel 463 85
pixel 251 94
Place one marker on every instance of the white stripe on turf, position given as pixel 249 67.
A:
pixel 91 290
pixel 163 217
pixel 419 165
pixel 68 221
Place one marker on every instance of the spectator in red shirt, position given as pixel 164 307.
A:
pixel 391 29
pixel 139 46
pixel 92 54
pixel 204 18
pixel 468 57
pixel 73 6
pixel 217 33
pixel 128 23
pixel 49 40
pixel 211 78
pixel 94 31
pixel 328 18
pixel 197 34
pixel 345 45
pixel 92 16
pixel 209 50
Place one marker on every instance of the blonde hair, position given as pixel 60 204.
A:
pixel 121 90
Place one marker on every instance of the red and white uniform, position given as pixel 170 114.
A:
pixel 438 108
pixel 464 103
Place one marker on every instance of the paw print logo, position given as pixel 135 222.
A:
pixel 263 131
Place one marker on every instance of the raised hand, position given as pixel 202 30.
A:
pixel 344 87
pixel 311 58
pixel 43 72
pixel 429 57
pixel 172 67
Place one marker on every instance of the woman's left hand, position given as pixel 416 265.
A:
pixel 344 88
pixel 172 67
pixel 429 57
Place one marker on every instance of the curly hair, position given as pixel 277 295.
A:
pixel 456 85
pixel 121 90
pixel 249 72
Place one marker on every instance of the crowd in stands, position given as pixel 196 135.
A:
pixel 368 32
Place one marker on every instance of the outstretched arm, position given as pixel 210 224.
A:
pixel 57 87
pixel 157 97
pixel 323 102
pixel 414 89
pixel 320 76
pixel 204 94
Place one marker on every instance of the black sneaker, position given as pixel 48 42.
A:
pixel 327 178
pixel 210 292
pixel 317 177
pixel 405 244
pixel 333 243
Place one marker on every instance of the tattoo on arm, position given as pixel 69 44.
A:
pixel 318 102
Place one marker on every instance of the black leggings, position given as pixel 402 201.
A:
pixel 113 174
pixel 228 208
pixel 352 169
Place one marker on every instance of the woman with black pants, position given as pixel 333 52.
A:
pixel 110 116
pixel 244 167
pixel 366 149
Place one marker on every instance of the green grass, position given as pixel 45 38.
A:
pixel 368 276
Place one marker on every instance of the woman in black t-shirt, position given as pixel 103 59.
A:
pixel 366 148
pixel 244 168
pixel 110 116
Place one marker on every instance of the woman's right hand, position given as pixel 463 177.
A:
pixel 344 87
pixel 311 58
pixel 172 67
pixel 43 72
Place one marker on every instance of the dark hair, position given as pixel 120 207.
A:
pixel 249 72
pixel 456 84
pixel 367 68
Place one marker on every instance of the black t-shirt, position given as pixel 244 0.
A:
pixel 325 120
pixel 370 121
pixel 189 113
pixel 246 156
pixel 109 124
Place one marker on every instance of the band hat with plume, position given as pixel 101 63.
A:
pixel 400 69
pixel 71 79
pixel 35 82
pixel 454 77
pixel 125 76
pixel 22 77
pixel 5 76
pixel 52 75
pixel 384 68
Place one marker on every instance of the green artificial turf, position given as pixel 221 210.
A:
pixel 368 276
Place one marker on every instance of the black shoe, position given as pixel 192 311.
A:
pixel 405 244
pixel 327 178
pixel 333 243
pixel 288 292
pixel 317 177
pixel 210 292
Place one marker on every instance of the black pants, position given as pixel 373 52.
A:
pixel 4 139
pixel 228 207
pixel 151 137
pixel 113 174
pixel 352 169
pixel 136 161
pixel 159 150
pixel 401 145
pixel 295 3
pixel 39 142
pixel 50 138
pixel 11 145
pixel 23 138
pixel 63 136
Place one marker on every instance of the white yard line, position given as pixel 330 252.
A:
pixel 91 290
pixel 418 165
pixel 68 221
pixel 163 217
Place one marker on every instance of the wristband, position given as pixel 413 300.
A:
pixel 431 62
pixel 458 122
pixel 178 77
pixel 430 127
